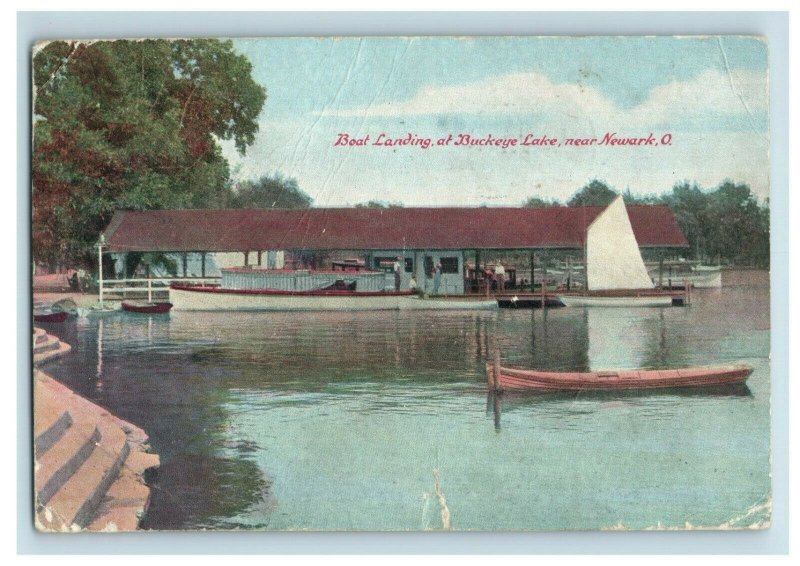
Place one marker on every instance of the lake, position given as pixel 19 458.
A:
pixel 381 420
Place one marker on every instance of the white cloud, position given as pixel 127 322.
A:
pixel 711 92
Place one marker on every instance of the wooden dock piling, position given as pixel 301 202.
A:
pixel 496 370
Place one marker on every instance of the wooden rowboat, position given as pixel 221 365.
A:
pixel 50 316
pixel 146 308
pixel 520 379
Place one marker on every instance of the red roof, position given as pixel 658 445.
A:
pixel 375 229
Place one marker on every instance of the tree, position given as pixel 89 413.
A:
pixel 740 232
pixel 595 193
pixel 379 204
pixel 538 202
pixel 689 204
pixel 275 191
pixel 132 124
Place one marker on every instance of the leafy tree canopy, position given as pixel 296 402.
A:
pixel 538 202
pixel 379 204
pixel 596 193
pixel 272 191
pixel 132 124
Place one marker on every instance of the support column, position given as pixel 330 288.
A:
pixel 544 280
pixel 202 264
pixel 100 269
pixel 185 258
pixel 477 269
pixel 532 266
pixel 569 272
pixel 247 259
pixel 259 258
pixel 661 269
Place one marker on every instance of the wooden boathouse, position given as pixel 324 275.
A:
pixel 458 239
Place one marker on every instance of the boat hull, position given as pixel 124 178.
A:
pixel 217 299
pixel 50 317
pixel 702 279
pixel 147 308
pixel 590 301
pixel 511 379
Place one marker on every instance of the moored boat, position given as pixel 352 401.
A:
pixel 509 379
pixel 681 272
pixel 610 301
pixel 141 307
pixel 616 275
pixel 50 316
pixel 207 298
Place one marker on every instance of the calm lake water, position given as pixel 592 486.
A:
pixel 344 420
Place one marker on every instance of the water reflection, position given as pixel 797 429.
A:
pixel 591 400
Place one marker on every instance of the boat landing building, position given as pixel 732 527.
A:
pixel 203 241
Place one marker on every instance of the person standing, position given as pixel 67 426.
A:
pixel 500 276
pixel 437 278
pixel 397 268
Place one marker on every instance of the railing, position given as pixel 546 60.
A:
pixel 130 288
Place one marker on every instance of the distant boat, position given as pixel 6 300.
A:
pixel 616 275
pixel 521 379
pixel 697 275
pixel 141 307
pixel 612 301
pixel 50 316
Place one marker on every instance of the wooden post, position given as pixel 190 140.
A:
pixel 246 258
pixel 259 258
pixel 533 279
pixel 185 263
pixel 661 271
pixel 100 267
pixel 496 370
pixel 477 271
pixel 569 272
pixel 544 281
pixel 202 264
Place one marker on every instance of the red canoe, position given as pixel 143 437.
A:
pixel 50 316
pixel 520 379
pixel 146 308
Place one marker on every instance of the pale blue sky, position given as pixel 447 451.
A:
pixel 709 93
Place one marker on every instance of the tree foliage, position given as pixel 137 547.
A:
pixel 379 204
pixel 271 191
pixel 132 124
pixel 538 202
pixel 595 193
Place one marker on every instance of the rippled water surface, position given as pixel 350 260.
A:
pixel 344 420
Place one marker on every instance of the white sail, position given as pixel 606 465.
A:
pixel 613 259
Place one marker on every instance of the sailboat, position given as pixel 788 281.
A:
pixel 616 275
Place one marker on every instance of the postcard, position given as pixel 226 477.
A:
pixel 401 284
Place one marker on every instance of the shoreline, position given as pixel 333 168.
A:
pixel 89 465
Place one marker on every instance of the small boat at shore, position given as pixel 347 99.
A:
pixel 60 316
pixel 141 307
pixel 611 301
pixel 512 379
